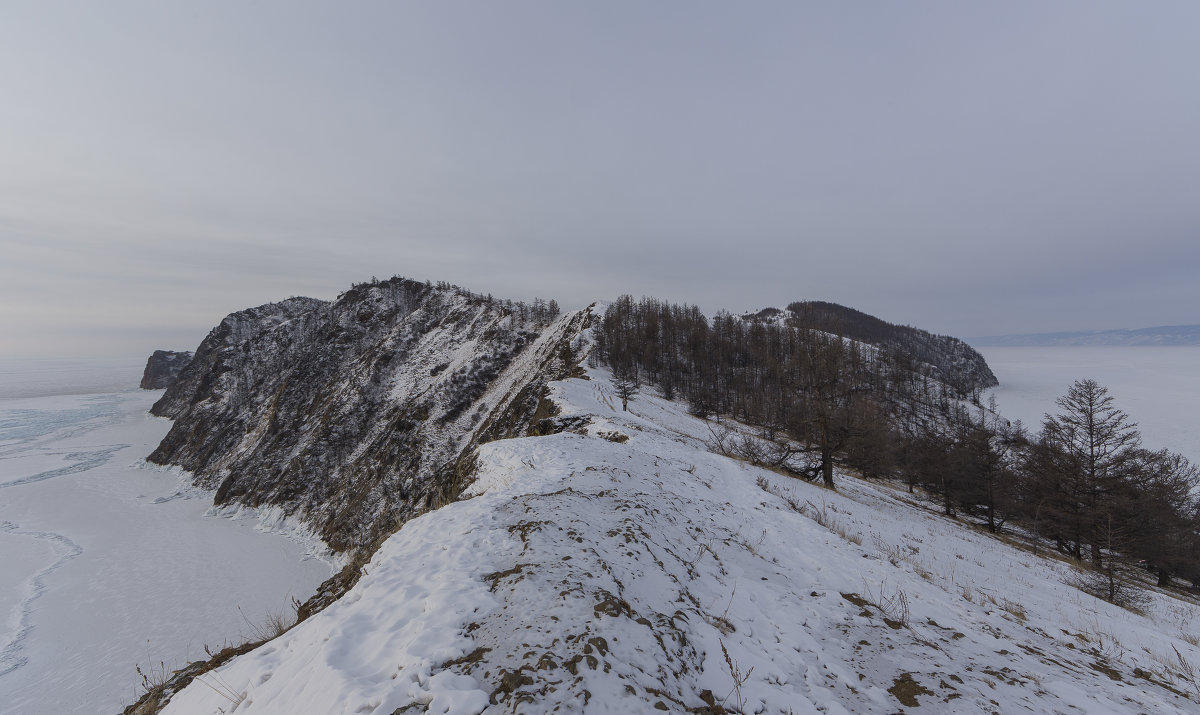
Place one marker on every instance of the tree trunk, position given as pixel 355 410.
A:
pixel 827 467
pixel 1037 521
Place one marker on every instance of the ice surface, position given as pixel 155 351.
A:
pixel 106 563
pixel 1158 386
pixel 47 377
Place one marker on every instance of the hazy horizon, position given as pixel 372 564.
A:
pixel 969 170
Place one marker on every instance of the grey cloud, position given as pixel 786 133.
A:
pixel 969 169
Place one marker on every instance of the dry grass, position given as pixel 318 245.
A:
pixel 1188 671
pixel 1014 608
pixel 892 604
pixel 739 679
pixel 159 683
pixel 214 682
pixel 154 677
pixel 892 552
pixel 273 624
pixel 825 514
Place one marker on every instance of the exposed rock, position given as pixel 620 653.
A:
pixel 358 414
pixel 163 368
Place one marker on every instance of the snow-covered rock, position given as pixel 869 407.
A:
pixel 352 416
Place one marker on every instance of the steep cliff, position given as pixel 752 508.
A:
pixel 357 414
pixel 163 368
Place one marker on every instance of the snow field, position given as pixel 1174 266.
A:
pixel 630 570
pixel 107 563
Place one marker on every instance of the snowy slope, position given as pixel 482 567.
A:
pixel 630 570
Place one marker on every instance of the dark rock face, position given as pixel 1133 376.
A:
pixel 358 414
pixel 163 368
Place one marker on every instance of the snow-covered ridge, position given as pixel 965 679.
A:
pixel 627 569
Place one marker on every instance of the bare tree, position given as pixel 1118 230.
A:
pixel 626 384
pixel 1095 445
pixel 830 406
pixel 1162 513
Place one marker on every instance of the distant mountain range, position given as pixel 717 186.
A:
pixel 1173 335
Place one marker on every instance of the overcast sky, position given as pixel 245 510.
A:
pixel 970 169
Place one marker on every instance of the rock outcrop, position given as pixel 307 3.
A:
pixel 163 368
pixel 356 415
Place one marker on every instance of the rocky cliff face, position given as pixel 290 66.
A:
pixel 357 414
pixel 163 368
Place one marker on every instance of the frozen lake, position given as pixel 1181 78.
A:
pixel 1158 386
pixel 106 563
